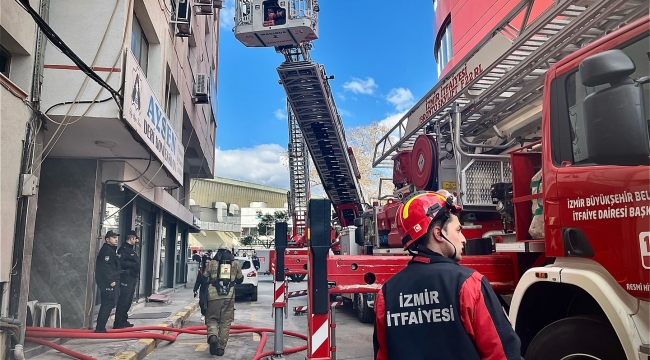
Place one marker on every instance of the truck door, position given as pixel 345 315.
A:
pixel 604 211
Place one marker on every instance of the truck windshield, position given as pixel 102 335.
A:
pixel 576 93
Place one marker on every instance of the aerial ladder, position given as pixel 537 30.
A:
pixel 298 154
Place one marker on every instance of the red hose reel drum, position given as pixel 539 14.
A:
pixel 424 163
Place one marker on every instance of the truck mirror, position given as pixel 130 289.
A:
pixel 358 222
pixel 615 122
pixel 358 236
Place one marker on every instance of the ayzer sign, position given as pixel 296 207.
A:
pixel 145 115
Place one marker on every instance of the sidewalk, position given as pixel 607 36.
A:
pixel 173 314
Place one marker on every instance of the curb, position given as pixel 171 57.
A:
pixel 144 347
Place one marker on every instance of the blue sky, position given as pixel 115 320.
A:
pixel 380 54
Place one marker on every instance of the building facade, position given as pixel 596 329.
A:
pixel 117 156
pixel 231 209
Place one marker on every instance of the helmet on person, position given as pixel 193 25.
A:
pixel 224 253
pixel 419 210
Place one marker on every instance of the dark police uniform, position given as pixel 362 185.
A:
pixel 436 309
pixel 130 264
pixel 107 270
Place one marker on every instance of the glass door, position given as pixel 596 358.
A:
pixel 145 249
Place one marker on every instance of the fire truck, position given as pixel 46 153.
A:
pixel 541 130
pixel 560 150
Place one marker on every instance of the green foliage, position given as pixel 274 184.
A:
pixel 248 240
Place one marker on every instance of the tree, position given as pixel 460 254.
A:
pixel 248 240
pixel 266 227
pixel 362 139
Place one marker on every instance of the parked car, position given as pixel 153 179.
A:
pixel 249 286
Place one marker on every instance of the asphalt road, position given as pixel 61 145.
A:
pixel 354 339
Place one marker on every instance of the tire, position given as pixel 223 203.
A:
pixel 591 336
pixel 365 314
pixel 297 278
pixel 254 294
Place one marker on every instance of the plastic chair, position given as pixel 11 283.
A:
pixel 49 314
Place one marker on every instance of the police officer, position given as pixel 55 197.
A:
pixel 221 298
pixel 256 261
pixel 107 277
pixel 130 264
pixel 434 308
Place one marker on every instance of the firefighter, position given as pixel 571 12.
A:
pixel 107 277
pixel 434 308
pixel 222 273
pixel 130 265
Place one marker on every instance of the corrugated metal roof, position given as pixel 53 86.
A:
pixel 247 184
pixel 206 191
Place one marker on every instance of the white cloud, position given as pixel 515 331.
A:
pixel 280 114
pixel 401 98
pixel 227 15
pixel 392 119
pixel 359 86
pixel 344 112
pixel 261 164
pixel 341 96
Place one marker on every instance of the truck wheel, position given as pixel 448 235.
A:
pixel 297 278
pixel 577 337
pixel 365 314
pixel 254 294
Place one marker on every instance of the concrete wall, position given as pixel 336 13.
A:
pixel 62 80
pixel 65 240
pixel 13 116
pixel 17 35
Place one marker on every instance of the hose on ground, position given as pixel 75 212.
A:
pixel 34 334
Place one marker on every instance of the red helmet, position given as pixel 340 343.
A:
pixel 417 212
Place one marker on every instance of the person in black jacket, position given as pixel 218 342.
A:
pixel 201 288
pixel 130 265
pixel 107 276
pixel 434 308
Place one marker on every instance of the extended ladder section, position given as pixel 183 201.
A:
pixel 505 72
pixel 310 96
pixel 299 174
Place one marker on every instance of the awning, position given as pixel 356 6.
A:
pixel 211 239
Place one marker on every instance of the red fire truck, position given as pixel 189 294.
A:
pixel 574 248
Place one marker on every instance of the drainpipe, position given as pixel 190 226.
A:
pixel 16 325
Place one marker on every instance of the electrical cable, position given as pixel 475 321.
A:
pixel 148 182
pixel 78 102
pixel 71 109
pixel 61 45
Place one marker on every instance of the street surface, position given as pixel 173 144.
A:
pixel 354 339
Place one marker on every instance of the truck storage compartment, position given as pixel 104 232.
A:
pixel 525 164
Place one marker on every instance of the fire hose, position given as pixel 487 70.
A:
pixel 36 335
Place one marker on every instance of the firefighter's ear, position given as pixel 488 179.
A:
pixel 436 234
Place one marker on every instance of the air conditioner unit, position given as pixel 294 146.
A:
pixel 183 18
pixel 203 7
pixel 201 89
pixel 217 4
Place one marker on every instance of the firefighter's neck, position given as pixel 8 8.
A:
pixel 438 244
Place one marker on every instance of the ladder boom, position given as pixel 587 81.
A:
pixel 308 92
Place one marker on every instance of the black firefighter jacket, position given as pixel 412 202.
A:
pixel 107 267
pixel 436 309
